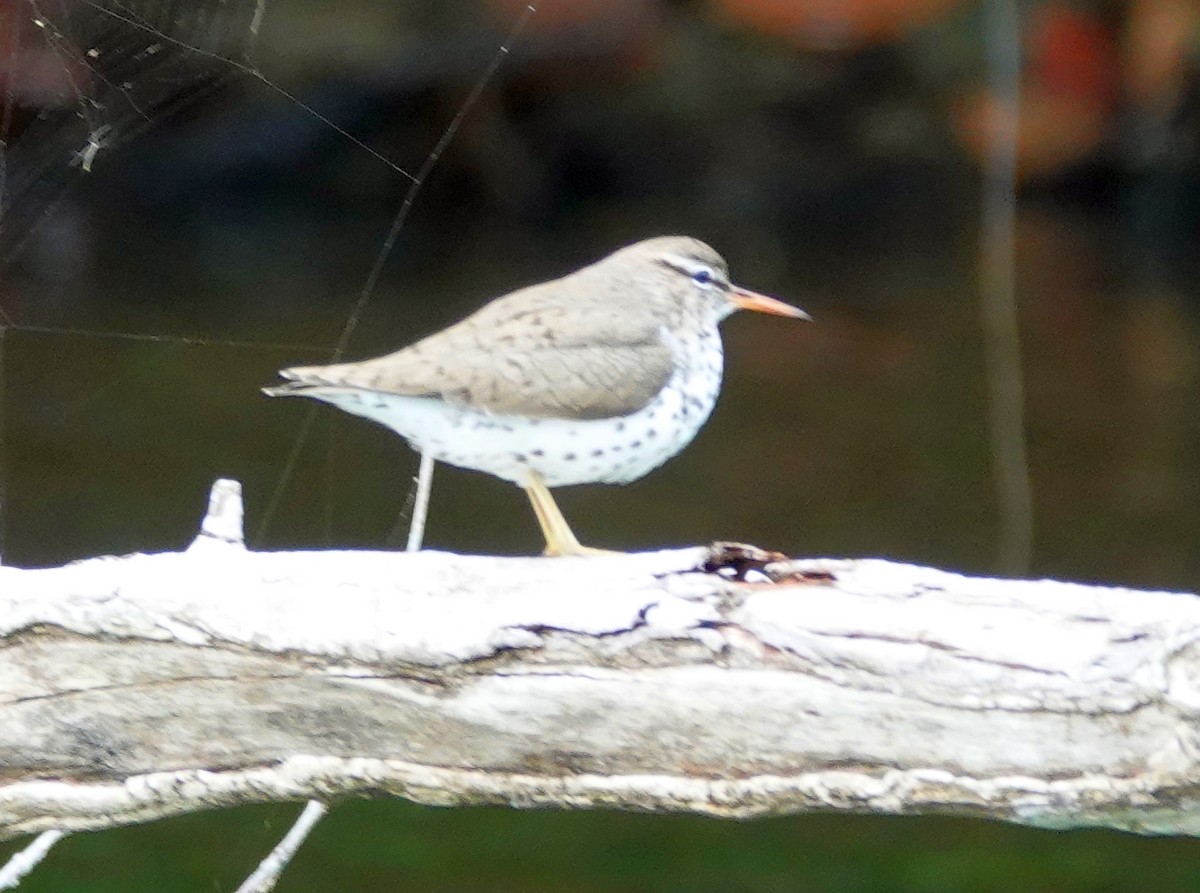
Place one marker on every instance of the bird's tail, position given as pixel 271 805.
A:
pixel 304 380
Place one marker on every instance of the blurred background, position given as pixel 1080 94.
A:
pixel 192 195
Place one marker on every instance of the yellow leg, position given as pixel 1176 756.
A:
pixel 560 540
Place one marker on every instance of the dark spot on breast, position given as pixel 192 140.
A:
pixel 569 457
pixel 596 454
pixel 652 433
pixel 620 426
pixel 538 453
pixel 635 445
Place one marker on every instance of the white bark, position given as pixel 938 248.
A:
pixel 149 685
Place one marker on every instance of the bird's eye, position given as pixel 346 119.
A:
pixel 703 276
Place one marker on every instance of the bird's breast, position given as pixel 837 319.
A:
pixel 699 366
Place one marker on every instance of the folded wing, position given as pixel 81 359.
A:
pixel 528 354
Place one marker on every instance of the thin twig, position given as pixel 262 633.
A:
pixel 997 292
pixel 267 874
pixel 416 529
pixel 24 861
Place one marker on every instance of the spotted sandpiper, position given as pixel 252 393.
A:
pixel 597 377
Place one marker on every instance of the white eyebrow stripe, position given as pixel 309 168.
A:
pixel 690 265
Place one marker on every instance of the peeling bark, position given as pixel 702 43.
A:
pixel 717 681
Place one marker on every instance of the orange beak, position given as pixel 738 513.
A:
pixel 750 300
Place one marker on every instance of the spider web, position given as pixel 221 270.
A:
pixel 81 77
pixel 78 77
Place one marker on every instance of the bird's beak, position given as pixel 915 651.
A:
pixel 749 300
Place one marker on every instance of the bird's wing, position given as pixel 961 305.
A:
pixel 540 359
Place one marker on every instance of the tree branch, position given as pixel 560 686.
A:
pixel 709 681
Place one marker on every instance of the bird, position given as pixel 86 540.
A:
pixel 599 376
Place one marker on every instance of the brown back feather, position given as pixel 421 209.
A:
pixel 567 347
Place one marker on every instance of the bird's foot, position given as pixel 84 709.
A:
pixel 560 539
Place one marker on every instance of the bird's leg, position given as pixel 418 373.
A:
pixel 560 540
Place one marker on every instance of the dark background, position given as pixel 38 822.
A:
pixel 832 152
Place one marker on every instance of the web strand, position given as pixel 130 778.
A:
pixel 145 337
pixel 118 79
pixel 58 45
pixel 253 72
pixel 116 71
pixel 74 53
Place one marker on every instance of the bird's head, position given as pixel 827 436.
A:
pixel 697 278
